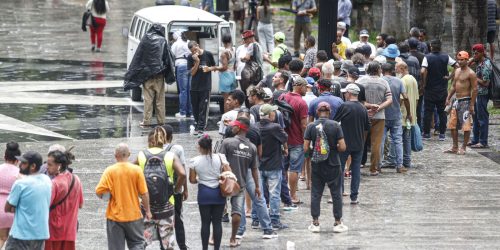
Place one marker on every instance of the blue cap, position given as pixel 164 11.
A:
pixel 310 80
pixel 391 51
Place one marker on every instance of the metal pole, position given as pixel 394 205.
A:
pixel 327 25
pixel 222 9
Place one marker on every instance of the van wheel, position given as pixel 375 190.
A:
pixel 136 94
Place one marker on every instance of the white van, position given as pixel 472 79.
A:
pixel 203 27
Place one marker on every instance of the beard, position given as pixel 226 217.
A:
pixel 25 171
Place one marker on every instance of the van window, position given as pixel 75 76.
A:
pixel 139 28
pixel 132 26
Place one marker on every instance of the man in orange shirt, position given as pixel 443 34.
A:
pixel 124 183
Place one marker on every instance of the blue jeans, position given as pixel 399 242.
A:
pixel 407 147
pixel 272 179
pixel 259 207
pixel 184 86
pixel 481 121
pixel 396 129
pixel 356 157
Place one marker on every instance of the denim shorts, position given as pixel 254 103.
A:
pixel 296 158
pixel 237 203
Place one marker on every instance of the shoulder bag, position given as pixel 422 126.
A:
pixel 52 207
pixel 227 183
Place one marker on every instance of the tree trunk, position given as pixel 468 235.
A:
pixel 429 15
pixel 396 18
pixel 469 23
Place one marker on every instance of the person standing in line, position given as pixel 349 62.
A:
pixel 256 97
pixel 201 84
pixel 227 77
pixel 353 118
pixel 305 9
pixel 123 183
pixel 344 14
pixel 342 27
pixel 422 46
pixel 328 171
pixel 29 200
pixel 181 52
pixel 99 9
pixel 279 50
pixel 162 202
pixel 393 119
pixel 67 199
pixel 435 87
pixel 411 87
pixel 378 97
pixel 413 44
pixel 324 86
pixel 295 132
pixel 242 156
pixel 274 147
pixel 464 86
pixel 481 115
pixel 9 175
pixel 239 13
pixel 363 40
pixel 265 26
pixel 151 68
pixel 310 57
pixel 178 150
pixel 253 56
pixel 205 170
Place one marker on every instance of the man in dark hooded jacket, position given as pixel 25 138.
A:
pixel 152 66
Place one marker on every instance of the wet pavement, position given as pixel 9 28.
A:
pixel 54 90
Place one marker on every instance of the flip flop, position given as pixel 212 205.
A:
pixel 451 151
pixel 235 244
pixel 298 202
pixel 479 145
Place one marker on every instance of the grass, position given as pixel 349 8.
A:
pixel 493 111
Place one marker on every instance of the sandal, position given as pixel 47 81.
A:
pixel 297 202
pixel 479 145
pixel 451 151
pixel 234 244
pixel 461 151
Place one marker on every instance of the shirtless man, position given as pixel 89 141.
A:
pixel 465 87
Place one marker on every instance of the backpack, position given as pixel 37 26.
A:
pixel 286 109
pixel 285 51
pixel 159 187
pixel 252 73
pixel 321 148
pixel 494 87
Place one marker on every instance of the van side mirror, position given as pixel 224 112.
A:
pixel 125 32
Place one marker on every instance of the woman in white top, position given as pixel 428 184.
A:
pixel 98 8
pixel 181 52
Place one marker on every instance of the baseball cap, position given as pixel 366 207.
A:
pixel 478 47
pixel 353 71
pixel 351 88
pixel 463 55
pixel 341 26
pixel 310 81
pixel 323 106
pixel 247 34
pixel 266 109
pixel 299 81
pixel 364 33
pixel 279 36
pixel 269 94
pixel 31 157
pixel 241 122
pixel 391 51
pixel 314 72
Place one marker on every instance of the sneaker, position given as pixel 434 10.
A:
pixel 279 226
pixel 340 228
pixel 313 228
pixel 269 234
pixel 374 173
pixel 240 235
pixel 225 217
pixel 98 50
pixel 426 137
pixel 401 170
pixel 442 137
pixel 255 224
pixel 179 115
pixel 290 207
pixel 354 202
pixel 92 48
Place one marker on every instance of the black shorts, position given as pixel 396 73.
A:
pixel 239 15
pixel 491 36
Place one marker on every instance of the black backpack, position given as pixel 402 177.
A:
pixel 494 87
pixel 159 187
pixel 285 51
pixel 286 109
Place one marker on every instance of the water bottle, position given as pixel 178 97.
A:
pixel 290 245
pixel 408 124
pixel 191 129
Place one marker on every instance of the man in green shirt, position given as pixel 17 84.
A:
pixel 279 50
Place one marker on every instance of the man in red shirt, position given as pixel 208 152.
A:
pixel 67 199
pixel 295 131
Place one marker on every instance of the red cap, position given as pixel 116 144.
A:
pixel 247 34
pixel 463 55
pixel 478 47
pixel 314 72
